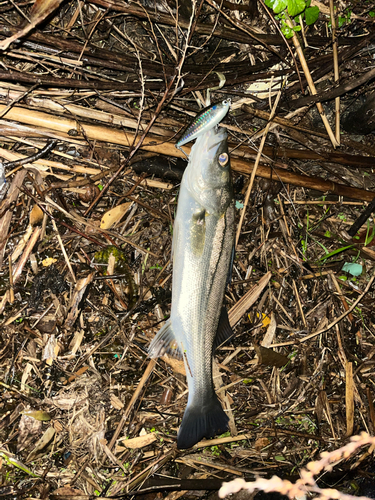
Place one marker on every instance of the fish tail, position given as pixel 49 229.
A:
pixel 204 418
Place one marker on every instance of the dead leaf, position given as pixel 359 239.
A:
pixel 116 402
pixel 42 443
pixel 36 215
pixel 114 215
pixel 261 443
pixel 269 357
pixel 49 261
pixel 79 291
pixel 245 302
pixel 68 491
pixel 177 365
pixel 270 333
pixel 140 441
pixel 29 430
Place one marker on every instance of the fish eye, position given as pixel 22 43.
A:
pixel 223 159
pixel 227 102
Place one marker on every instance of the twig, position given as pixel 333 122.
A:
pixel 349 398
pixel 132 153
pixel 47 148
pixel 311 84
pixel 254 171
pixel 18 98
pixel 134 398
pixel 362 218
pixel 64 251
pixel 337 320
pixel 273 20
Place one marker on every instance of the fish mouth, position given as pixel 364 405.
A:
pixel 207 145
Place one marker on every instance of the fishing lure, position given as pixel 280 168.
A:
pixel 204 121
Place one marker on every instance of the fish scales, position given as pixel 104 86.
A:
pixel 205 120
pixel 203 239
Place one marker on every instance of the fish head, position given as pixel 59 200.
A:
pixel 209 172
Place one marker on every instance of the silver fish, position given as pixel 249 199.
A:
pixel 203 242
pixel 207 119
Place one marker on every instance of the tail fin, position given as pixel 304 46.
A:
pixel 201 420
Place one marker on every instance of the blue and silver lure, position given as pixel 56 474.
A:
pixel 207 119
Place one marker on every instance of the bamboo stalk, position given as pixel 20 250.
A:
pixel 335 69
pixel 110 135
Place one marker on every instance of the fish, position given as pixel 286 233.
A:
pixel 207 119
pixel 202 256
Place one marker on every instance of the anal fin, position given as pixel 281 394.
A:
pixel 224 330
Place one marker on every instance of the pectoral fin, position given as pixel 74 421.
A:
pixel 164 342
pixel 224 330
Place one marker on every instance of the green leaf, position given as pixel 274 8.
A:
pixel 335 252
pixel 295 7
pixel 352 268
pixel 311 15
pixel 248 381
pixel 279 5
pixel 40 415
pixel 269 3
pixel 287 32
pixel 11 460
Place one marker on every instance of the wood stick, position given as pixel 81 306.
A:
pixel 311 84
pixel 245 302
pixel 349 398
pixel 134 398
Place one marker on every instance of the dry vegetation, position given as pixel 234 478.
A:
pixel 93 95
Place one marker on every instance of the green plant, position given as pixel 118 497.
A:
pixel 156 266
pixel 287 9
pixel 215 451
pixel 345 18
pixel 369 237
pixel 334 252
